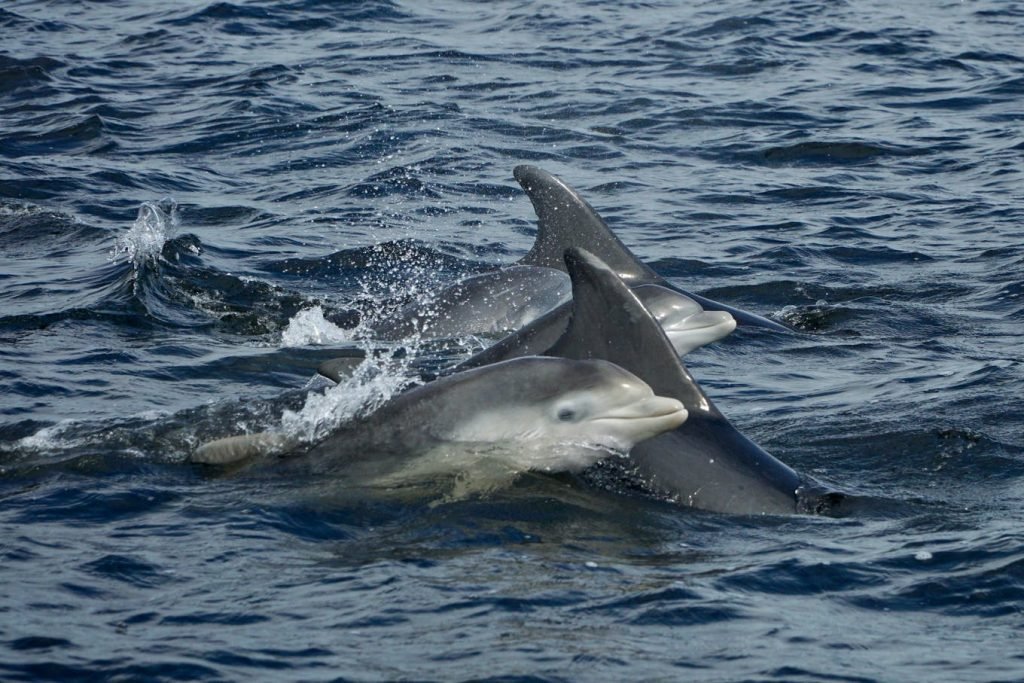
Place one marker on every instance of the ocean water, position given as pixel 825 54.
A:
pixel 197 199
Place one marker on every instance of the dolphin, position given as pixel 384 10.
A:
pixel 565 220
pixel 503 300
pixel 684 322
pixel 705 462
pixel 551 414
pixel 687 325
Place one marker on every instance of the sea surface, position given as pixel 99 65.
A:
pixel 199 199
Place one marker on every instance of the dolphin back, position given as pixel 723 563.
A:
pixel 565 220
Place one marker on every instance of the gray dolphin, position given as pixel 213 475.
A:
pixel 551 414
pixel 565 220
pixel 704 463
pixel 500 301
pixel 686 324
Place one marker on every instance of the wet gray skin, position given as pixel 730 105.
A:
pixel 491 304
pixel 565 220
pixel 504 300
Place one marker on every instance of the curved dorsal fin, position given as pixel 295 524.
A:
pixel 706 461
pixel 609 322
pixel 566 220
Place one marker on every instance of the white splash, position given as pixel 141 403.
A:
pixel 144 241
pixel 373 383
pixel 47 438
pixel 309 327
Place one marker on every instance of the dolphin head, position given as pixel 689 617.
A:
pixel 685 322
pixel 545 401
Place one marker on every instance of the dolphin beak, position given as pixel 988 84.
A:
pixel 711 319
pixel 699 330
pixel 652 407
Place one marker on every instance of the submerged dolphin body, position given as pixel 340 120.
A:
pixel 554 414
pixel 566 220
pixel 704 463
pixel 491 304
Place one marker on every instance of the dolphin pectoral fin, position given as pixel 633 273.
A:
pixel 341 368
pixel 234 449
pixel 455 473
pixel 468 486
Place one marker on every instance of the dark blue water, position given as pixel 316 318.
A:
pixel 194 196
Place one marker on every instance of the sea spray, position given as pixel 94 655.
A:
pixel 387 368
pixel 384 372
pixel 144 241
pixel 373 382
pixel 310 327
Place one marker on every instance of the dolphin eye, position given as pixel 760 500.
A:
pixel 566 414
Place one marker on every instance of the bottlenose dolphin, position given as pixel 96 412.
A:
pixel 704 463
pixel 565 220
pixel 685 323
pixel 500 301
pixel 554 414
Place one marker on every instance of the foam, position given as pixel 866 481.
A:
pixel 309 327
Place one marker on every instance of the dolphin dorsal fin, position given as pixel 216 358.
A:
pixel 565 220
pixel 609 322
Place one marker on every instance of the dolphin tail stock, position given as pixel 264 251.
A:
pixel 565 219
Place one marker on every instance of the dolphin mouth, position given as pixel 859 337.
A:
pixel 653 407
pixel 700 321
